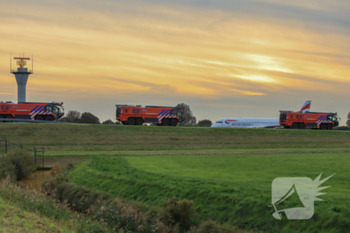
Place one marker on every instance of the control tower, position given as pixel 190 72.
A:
pixel 22 73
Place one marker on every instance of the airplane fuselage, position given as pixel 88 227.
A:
pixel 247 123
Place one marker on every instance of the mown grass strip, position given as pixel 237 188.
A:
pixel 88 154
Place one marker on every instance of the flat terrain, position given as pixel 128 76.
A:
pixel 226 172
pixel 80 137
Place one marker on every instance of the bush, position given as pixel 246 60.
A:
pixel 89 118
pixel 179 213
pixel 119 215
pixel 108 122
pixel 208 227
pixel 23 163
pixel 204 123
pixel 7 170
pixel 72 116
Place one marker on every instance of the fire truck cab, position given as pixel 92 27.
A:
pixel 312 120
pixel 158 115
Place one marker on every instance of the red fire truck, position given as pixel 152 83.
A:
pixel 31 111
pixel 312 120
pixel 137 115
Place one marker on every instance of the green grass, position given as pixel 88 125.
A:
pixel 82 137
pixel 226 172
pixel 226 188
pixel 13 219
pixel 23 210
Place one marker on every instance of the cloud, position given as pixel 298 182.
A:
pixel 200 52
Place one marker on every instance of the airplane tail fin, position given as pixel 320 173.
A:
pixel 306 107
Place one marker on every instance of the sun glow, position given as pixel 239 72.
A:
pixel 268 63
pixel 166 54
pixel 261 79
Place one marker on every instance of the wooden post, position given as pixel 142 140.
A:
pixel 35 155
pixel 43 158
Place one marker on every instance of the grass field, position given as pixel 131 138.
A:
pixel 226 172
pixel 125 138
pixel 226 188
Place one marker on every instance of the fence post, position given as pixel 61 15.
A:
pixel 43 158
pixel 35 155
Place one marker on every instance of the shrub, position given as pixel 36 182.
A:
pixel 89 118
pixel 208 227
pixel 205 123
pixel 22 161
pixel 121 216
pixel 7 170
pixel 179 213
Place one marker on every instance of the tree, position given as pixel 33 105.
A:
pixel 190 118
pixel 205 123
pixel 348 121
pixel 89 118
pixel 108 122
pixel 72 116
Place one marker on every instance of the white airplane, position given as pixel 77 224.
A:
pixel 255 122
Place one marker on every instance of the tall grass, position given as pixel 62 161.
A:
pixel 39 203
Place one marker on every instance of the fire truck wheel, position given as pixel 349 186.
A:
pixel 302 126
pixel 9 117
pixel 173 122
pixel 165 122
pixel 139 121
pixel 295 126
pixel 329 126
pixel 323 126
pixel 39 118
pixel 49 118
pixel 131 121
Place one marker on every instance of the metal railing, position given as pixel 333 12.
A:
pixel 32 121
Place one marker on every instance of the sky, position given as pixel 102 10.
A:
pixel 224 58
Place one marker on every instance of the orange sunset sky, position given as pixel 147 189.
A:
pixel 225 58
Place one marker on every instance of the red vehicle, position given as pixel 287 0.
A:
pixel 31 111
pixel 137 115
pixel 312 120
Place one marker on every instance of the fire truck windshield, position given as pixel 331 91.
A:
pixel 58 111
pixel 334 119
pixel 181 116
